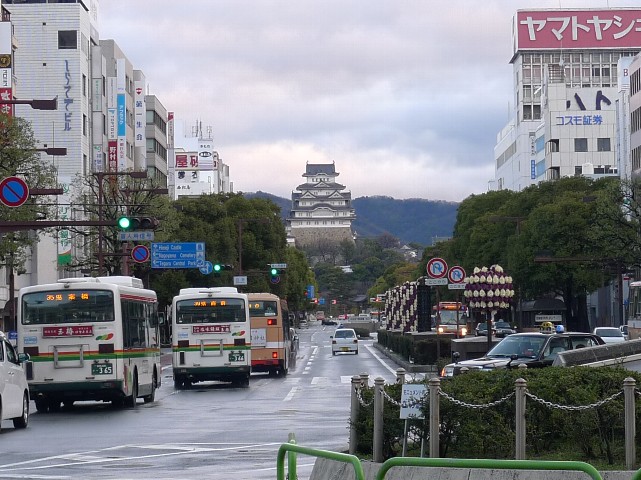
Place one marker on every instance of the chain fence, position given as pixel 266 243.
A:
pixel 365 396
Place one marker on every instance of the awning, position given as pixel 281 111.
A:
pixel 542 305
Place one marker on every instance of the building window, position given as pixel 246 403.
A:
pixel 84 125
pixel 603 144
pixel 84 85
pixel 67 39
pixel 580 144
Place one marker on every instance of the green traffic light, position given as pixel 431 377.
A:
pixel 217 267
pixel 124 223
pixel 274 271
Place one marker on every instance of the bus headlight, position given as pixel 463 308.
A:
pixel 441 329
pixel 463 331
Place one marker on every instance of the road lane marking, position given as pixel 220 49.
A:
pixel 181 449
pixel 291 394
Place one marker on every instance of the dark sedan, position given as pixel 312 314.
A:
pixel 533 349
pixel 503 329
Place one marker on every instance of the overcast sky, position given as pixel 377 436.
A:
pixel 405 96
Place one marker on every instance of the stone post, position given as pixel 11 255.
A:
pixel 520 385
pixel 353 415
pixel 377 449
pixel 435 417
pixel 400 376
pixel 629 387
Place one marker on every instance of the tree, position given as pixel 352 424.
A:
pixel 122 195
pixel 217 220
pixel 18 157
pixel 512 228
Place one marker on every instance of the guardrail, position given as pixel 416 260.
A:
pixel 292 474
pixel 488 464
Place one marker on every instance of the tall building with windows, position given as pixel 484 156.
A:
pixel 566 67
pixel 321 208
pixel 104 114
pixel 635 117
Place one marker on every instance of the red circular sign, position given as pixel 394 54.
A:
pixel 13 191
pixel 140 253
pixel 456 274
pixel 436 268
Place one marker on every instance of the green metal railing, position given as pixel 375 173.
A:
pixel 488 464
pixel 338 457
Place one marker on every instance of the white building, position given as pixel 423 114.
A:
pixel 102 117
pixel 195 167
pixel 566 69
pixel 635 117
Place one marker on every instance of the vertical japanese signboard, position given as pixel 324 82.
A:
pixel 6 87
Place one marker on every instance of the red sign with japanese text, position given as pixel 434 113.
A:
pixel 70 331
pixel 6 93
pixel 568 29
pixel 210 329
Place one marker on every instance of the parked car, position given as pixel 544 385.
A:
pixel 14 390
pixel 624 331
pixel 502 329
pixel 481 329
pixel 533 349
pixel 610 334
pixel 344 340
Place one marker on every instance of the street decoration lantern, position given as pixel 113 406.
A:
pixel 489 289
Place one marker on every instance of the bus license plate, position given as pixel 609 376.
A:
pixel 102 368
pixel 237 357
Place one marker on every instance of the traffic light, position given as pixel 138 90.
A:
pixel 274 272
pixel 219 267
pixel 137 223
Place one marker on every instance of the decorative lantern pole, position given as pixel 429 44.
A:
pixel 489 291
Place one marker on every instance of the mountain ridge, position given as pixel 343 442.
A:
pixel 413 220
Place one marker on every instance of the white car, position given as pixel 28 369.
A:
pixel 610 334
pixel 14 390
pixel 344 340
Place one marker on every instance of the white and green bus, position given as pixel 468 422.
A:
pixel 211 336
pixel 90 339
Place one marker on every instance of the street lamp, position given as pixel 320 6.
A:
pixel 35 104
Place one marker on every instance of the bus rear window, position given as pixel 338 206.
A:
pixel 67 306
pixel 260 308
pixel 204 310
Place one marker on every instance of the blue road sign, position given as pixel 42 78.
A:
pixel 207 268
pixel 178 255
pixel 13 191
pixel 140 253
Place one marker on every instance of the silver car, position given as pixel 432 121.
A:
pixel 14 390
pixel 344 340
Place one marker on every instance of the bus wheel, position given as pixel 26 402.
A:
pixel 152 396
pixel 132 400
pixel 244 382
pixel 178 383
pixel 42 406
pixel 54 405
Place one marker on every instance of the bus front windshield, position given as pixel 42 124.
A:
pixel 207 310
pixel 67 306
pixel 448 317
